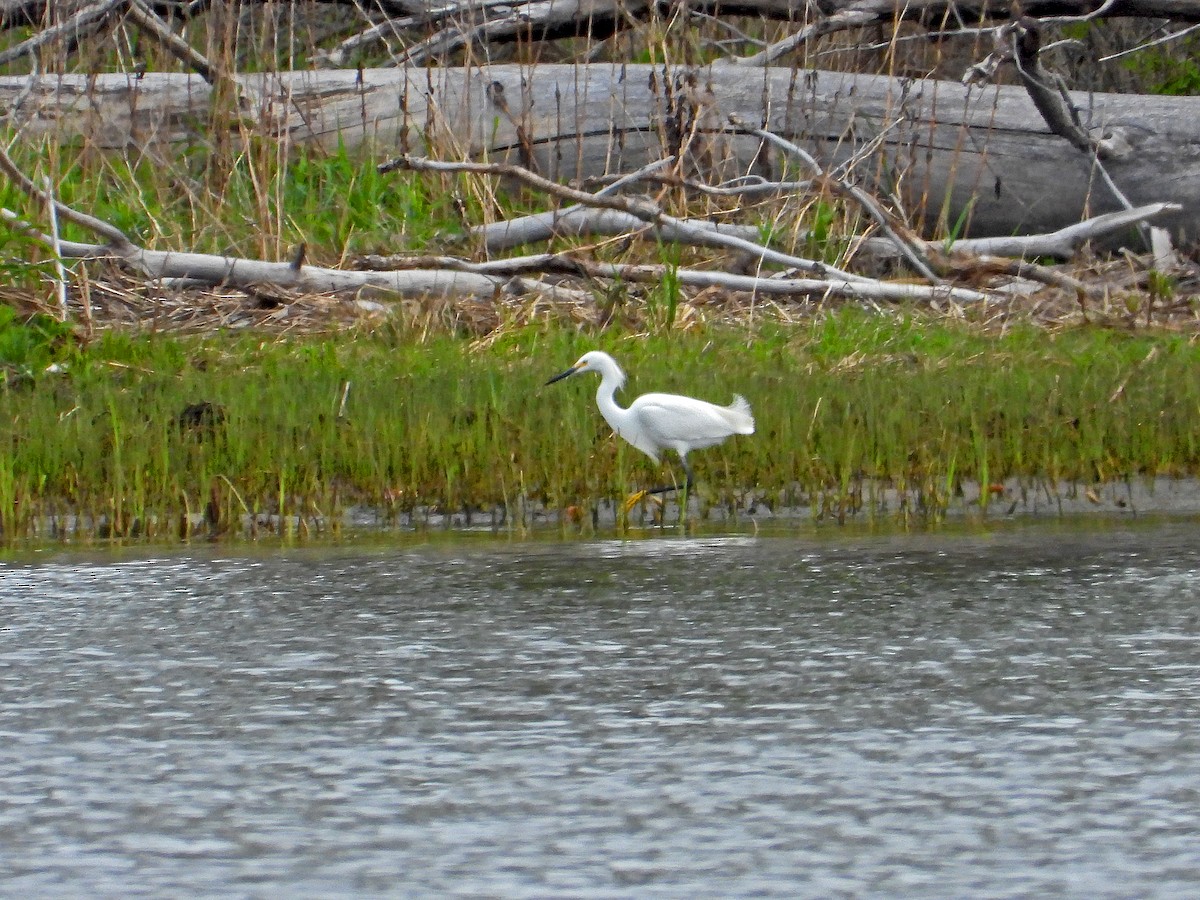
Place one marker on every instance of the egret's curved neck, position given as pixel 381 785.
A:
pixel 611 380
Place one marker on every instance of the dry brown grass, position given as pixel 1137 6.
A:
pixel 1125 294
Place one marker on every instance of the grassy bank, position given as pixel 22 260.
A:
pixel 135 434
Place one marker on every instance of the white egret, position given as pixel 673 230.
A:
pixel 657 422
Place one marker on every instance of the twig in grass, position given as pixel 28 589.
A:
pixel 863 289
pixel 579 221
pixel 994 265
pixel 567 264
pixel 185 269
pixel 341 413
pixel 908 249
pixel 453 276
pixel 1119 393
pixel 85 20
pixel 862 13
pixel 149 20
pixel 60 272
pixel 545 225
pixel 748 186
pixel 641 208
pixel 210 269
pixel 1174 35
pixel 111 234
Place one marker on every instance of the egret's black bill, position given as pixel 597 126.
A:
pixel 561 375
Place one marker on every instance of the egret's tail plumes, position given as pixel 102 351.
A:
pixel 739 415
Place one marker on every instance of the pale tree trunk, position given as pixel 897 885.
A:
pixel 981 156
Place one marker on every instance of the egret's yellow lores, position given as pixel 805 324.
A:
pixel 657 422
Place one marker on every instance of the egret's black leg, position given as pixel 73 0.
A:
pixel 687 485
pixel 665 489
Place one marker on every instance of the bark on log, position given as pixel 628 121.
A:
pixel 15 13
pixel 982 154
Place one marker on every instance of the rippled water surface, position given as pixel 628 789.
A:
pixel 999 715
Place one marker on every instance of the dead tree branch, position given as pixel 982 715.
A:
pixel 829 281
pixel 640 208
pixel 143 15
pixel 450 276
pixel 908 249
pixel 211 269
pixel 82 23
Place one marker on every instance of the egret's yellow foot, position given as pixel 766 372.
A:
pixel 635 499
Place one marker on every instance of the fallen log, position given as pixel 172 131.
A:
pixel 970 161
pixel 445 276
pixel 580 221
pixel 431 29
pixel 601 17
pixel 186 269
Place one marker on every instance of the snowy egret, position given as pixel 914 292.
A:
pixel 657 422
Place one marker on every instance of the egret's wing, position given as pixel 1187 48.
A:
pixel 670 420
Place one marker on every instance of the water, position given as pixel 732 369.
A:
pixel 1010 714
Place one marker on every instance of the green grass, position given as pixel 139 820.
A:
pixel 249 200
pixel 249 197
pixel 429 422
pixel 139 435
pixel 1171 70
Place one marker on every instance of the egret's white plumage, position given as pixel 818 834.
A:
pixel 657 422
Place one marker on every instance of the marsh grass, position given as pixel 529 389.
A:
pixel 260 204
pixel 156 436
pixel 130 435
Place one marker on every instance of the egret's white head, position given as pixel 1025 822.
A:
pixel 594 361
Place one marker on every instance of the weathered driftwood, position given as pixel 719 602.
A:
pixel 463 279
pixel 980 161
pixel 581 221
pixel 183 269
pixel 448 275
pixel 190 269
pixel 645 210
pixel 461 22
pixel 592 14
pixel 827 278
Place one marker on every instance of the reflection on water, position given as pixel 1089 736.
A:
pixel 996 715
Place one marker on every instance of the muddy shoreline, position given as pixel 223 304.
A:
pixel 866 504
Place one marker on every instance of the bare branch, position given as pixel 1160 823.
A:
pixel 1064 242
pixel 908 249
pixel 579 221
pixel 1099 12
pixel 643 209
pixel 1173 36
pixel 113 235
pixel 852 17
pixel 567 264
pixel 190 269
pixel 144 16
pixel 83 22
pixel 861 289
